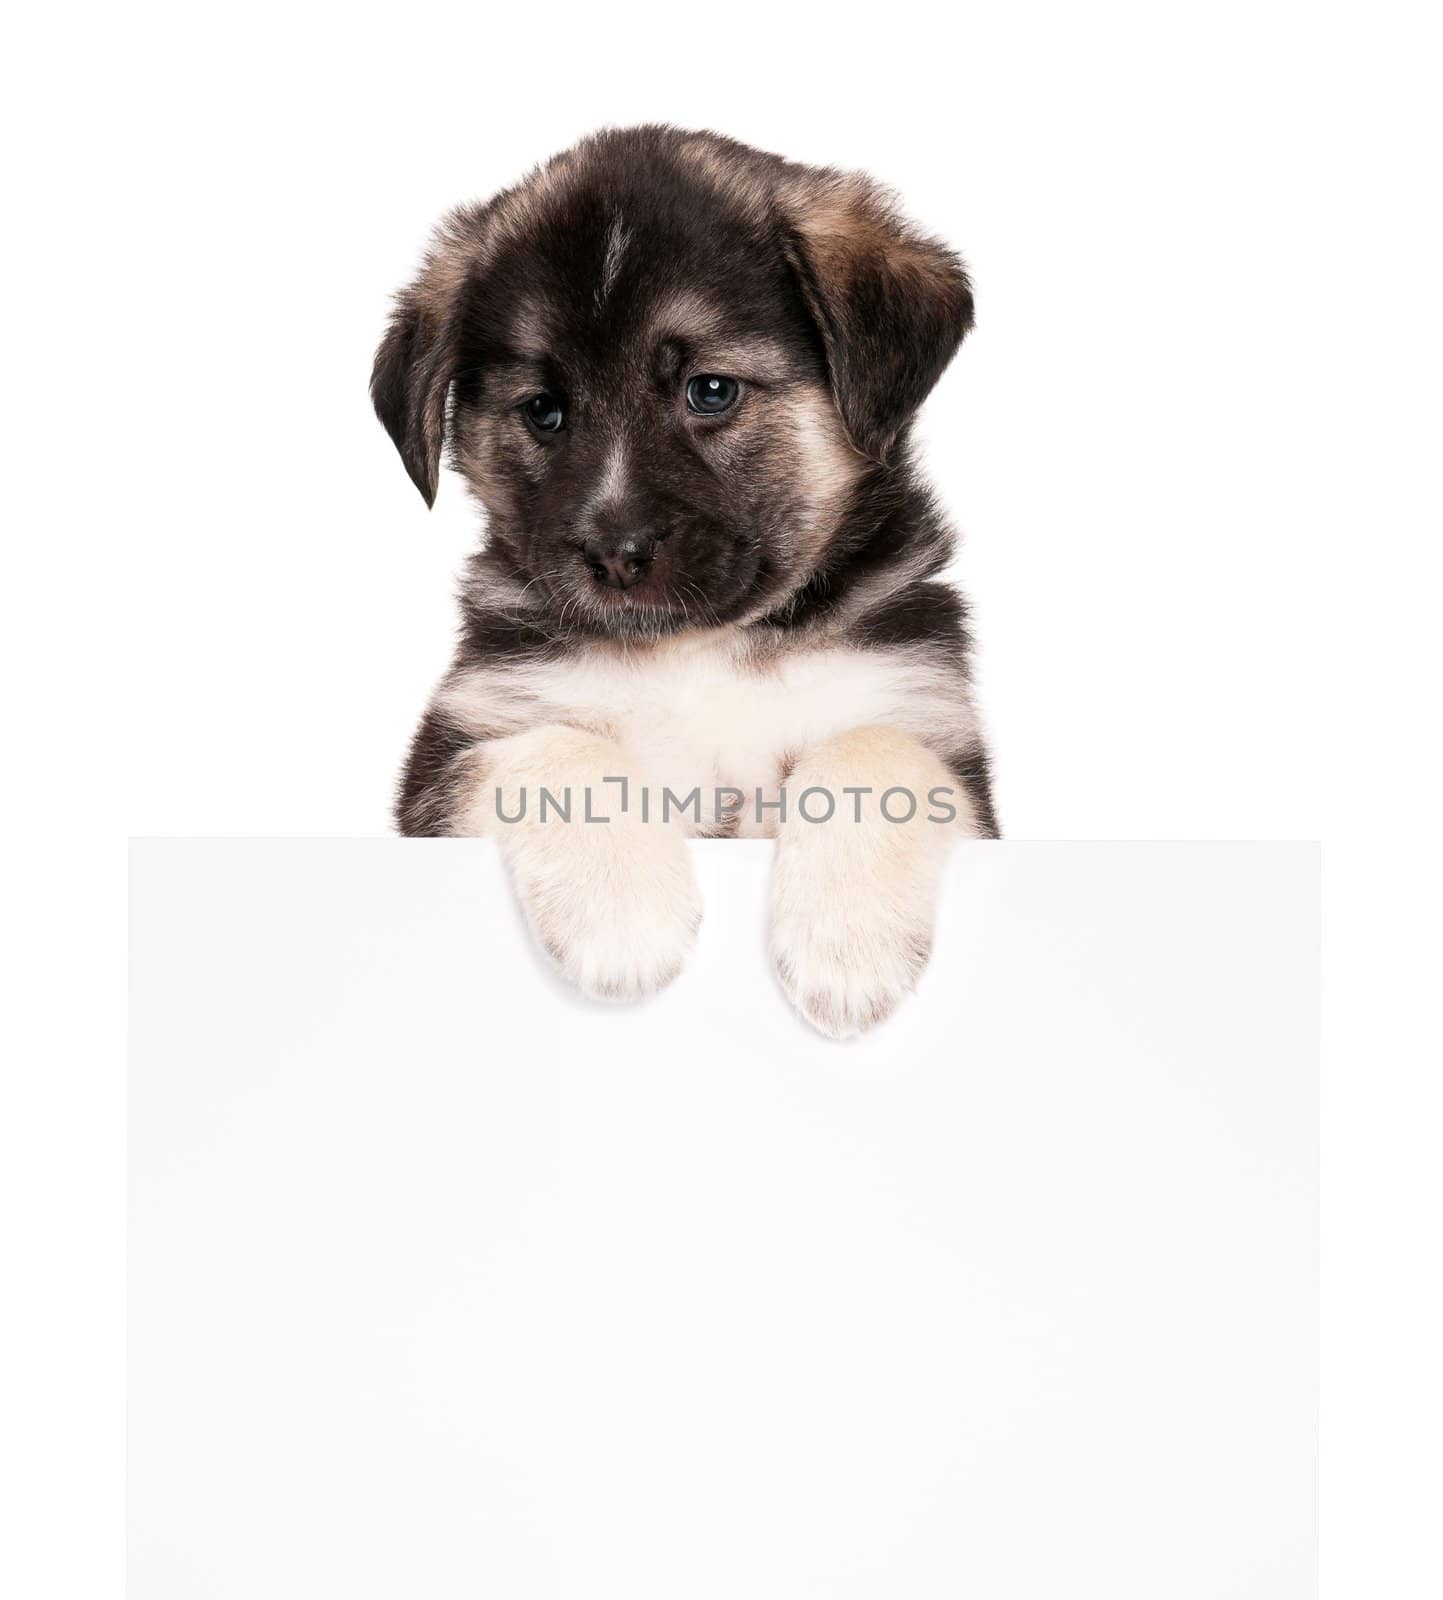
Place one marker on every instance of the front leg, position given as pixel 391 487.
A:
pixel 614 903
pixel 853 901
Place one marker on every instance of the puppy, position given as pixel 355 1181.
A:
pixel 679 375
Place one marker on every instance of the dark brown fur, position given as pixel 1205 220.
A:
pixel 606 279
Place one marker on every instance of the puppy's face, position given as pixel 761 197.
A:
pixel 641 404
pixel 662 364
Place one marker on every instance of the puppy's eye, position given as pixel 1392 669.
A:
pixel 544 412
pixel 709 394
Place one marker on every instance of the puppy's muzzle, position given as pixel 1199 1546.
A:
pixel 619 561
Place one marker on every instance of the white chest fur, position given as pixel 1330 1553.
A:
pixel 698 710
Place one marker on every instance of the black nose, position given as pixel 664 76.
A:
pixel 621 561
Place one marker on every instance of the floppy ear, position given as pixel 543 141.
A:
pixel 416 361
pixel 892 304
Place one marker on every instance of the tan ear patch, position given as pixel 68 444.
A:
pixel 851 222
pixel 892 304
pixel 457 246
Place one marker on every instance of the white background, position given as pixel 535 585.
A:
pixel 447 1282
pixel 1180 386
pixel 1188 446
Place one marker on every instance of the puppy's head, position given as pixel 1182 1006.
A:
pixel 662 363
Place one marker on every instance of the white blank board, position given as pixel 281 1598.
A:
pixel 446 1283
